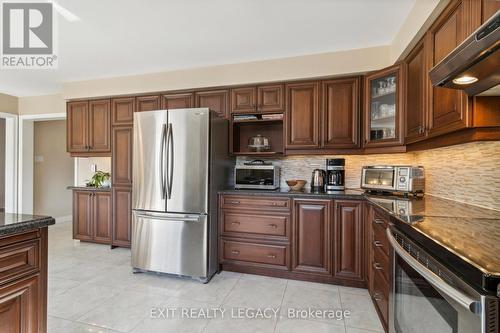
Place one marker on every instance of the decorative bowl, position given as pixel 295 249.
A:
pixel 296 184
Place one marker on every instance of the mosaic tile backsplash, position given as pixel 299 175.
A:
pixel 467 173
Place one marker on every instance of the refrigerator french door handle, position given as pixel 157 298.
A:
pixel 162 160
pixel 170 159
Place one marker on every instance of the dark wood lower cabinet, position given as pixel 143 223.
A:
pixel 348 241
pixel 92 216
pixel 319 240
pixel 23 282
pixel 312 244
pixel 102 217
pixel 122 216
pixel 379 264
pixel 82 215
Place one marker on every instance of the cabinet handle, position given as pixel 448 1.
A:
pixel 272 256
pixel 377 266
pixel 377 297
pixel 233 202
pixel 274 226
pixel 235 222
pixel 274 203
pixel 378 243
pixel 378 221
pixel 235 252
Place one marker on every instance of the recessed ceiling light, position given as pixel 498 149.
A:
pixel 465 79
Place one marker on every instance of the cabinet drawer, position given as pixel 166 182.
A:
pixel 380 262
pixel 380 295
pixel 254 253
pixel 249 202
pixel 379 237
pixel 18 260
pixel 272 225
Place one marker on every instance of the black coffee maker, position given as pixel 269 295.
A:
pixel 335 174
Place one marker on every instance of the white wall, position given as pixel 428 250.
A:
pixel 84 171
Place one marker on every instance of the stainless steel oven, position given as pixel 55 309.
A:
pixel 427 297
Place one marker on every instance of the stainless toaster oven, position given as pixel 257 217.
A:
pixel 385 178
pixel 260 177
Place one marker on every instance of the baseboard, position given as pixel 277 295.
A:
pixel 62 219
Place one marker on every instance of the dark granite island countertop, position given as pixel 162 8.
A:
pixel 17 223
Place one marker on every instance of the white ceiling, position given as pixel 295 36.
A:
pixel 124 37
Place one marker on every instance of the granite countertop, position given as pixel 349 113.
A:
pixel 15 223
pixel 89 188
pixel 465 238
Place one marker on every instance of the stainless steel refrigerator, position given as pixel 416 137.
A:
pixel 180 161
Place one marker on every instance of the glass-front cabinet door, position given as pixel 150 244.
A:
pixel 383 108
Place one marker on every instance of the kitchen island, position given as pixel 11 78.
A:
pixel 23 272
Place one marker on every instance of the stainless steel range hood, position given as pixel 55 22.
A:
pixel 474 65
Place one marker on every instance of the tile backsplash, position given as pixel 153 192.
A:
pixel 468 173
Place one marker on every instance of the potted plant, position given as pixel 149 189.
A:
pixel 100 179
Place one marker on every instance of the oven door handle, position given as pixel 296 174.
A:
pixel 438 283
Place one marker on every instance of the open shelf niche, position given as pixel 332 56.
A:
pixel 243 130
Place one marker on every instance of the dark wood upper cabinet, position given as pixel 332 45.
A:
pixel 121 157
pixel 384 103
pixel 82 215
pixel 302 115
pixel 77 123
pixel 122 111
pixel 215 100
pixel 340 113
pixel 100 126
pixel 490 7
pixel 312 243
pixel 260 99
pixel 348 241
pixel 148 103
pixel 122 216
pixel 449 109
pixel 416 85
pixel 102 217
pixel 243 100
pixel 270 98
pixel 178 101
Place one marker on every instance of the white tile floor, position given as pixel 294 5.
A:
pixel 92 289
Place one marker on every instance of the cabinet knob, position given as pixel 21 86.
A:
pixel 235 252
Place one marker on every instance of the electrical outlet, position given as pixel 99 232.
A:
pixel 93 167
pixel 38 158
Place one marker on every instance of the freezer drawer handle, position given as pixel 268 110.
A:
pixel 438 283
pixel 169 218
